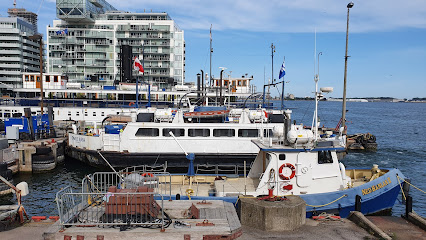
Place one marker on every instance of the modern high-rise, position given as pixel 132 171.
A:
pixel 86 42
pixel 18 53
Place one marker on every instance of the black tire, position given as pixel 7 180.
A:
pixel 44 162
pixel 3 166
pixel 43 158
pixel 42 150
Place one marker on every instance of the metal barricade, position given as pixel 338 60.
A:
pixel 160 182
pixel 121 208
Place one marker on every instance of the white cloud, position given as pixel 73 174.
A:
pixel 286 15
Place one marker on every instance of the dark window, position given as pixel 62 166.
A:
pixel 224 132
pixel 178 132
pixel 46 78
pixel 7 115
pixel 267 132
pixel 147 132
pixel 324 157
pixel 282 157
pixel 26 78
pixel 32 78
pixel 248 133
pixel 199 132
pixel 55 78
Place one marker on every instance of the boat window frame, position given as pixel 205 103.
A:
pixel 216 130
pixel 166 131
pixel 249 131
pixel 325 157
pixel 156 132
pixel 193 130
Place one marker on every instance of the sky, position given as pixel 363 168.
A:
pixel 387 46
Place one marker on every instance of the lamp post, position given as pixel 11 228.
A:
pixel 40 39
pixel 349 6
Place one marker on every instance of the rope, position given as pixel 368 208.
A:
pixel 317 206
pixel 402 190
pixel 412 185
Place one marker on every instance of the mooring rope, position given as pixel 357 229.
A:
pixel 317 206
pixel 411 185
pixel 402 190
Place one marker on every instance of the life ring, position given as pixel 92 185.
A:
pixel 131 104
pixel 293 171
pixel 147 174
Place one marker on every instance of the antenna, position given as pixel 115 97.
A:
pixel 14 3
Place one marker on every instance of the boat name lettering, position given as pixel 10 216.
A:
pixel 78 139
pixel 376 187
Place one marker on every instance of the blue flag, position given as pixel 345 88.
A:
pixel 282 71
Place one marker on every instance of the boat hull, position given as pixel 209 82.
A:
pixel 175 161
pixel 376 196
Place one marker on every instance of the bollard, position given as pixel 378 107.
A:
pixel 408 205
pixel 358 203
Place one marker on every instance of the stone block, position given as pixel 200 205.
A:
pixel 273 216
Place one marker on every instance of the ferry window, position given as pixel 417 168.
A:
pixel 267 132
pixel 147 132
pixel 94 114
pixel 324 157
pixel 244 83
pixel 85 114
pixel 46 78
pixel 38 78
pixel 26 78
pixel 7 115
pixel 178 132
pixel 224 132
pixel 32 78
pixel 199 132
pixel 282 157
pixel 17 115
pixel 248 133
pixel 77 113
pixel 102 114
pixel 69 113
pixel 239 82
pixel 55 78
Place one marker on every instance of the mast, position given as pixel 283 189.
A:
pixel 211 51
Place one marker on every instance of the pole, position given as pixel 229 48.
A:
pixel 211 51
pixel 143 66
pixel 282 93
pixel 350 5
pixel 41 74
pixel 202 87
pixel 220 99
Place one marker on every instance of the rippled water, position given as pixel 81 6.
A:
pixel 399 128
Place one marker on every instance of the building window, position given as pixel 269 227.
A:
pixel 178 132
pixel 224 132
pixel 147 132
pixel 324 157
pixel 199 132
pixel 248 133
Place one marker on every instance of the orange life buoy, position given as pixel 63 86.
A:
pixel 293 171
pixel 131 104
pixel 147 174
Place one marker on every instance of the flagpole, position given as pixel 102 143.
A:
pixel 282 93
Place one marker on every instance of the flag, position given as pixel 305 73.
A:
pixel 137 65
pixel 282 71
pixel 62 32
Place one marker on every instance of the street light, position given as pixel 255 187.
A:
pixel 349 6
pixel 40 39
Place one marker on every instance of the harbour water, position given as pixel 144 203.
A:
pixel 401 138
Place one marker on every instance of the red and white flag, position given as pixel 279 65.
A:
pixel 137 65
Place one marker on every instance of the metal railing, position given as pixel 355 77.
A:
pixel 100 182
pixel 124 208
pixel 217 169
